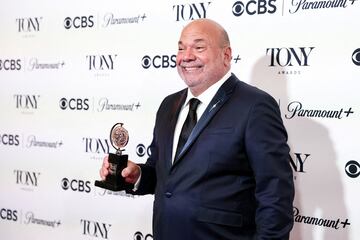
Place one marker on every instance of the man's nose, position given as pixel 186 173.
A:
pixel 188 55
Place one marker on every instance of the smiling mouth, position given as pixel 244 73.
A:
pixel 191 69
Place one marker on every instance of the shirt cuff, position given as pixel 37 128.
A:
pixel 137 183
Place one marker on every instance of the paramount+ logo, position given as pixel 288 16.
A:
pixel 253 7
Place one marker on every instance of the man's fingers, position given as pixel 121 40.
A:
pixel 104 168
pixel 125 172
pixel 103 173
pixel 131 173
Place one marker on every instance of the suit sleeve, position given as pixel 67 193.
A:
pixel 148 170
pixel 268 152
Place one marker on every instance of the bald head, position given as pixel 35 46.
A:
pixel 214 29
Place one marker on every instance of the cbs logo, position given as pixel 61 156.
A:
pixel 141 150
pixel 352 169
pixel 76 185
pixel 9 139
pixel 8 214
pixel 356 57
pixel 74 104
pixel 159 61
pixel 140 236
pixel 79 22
pixel 254 7
pixel 10 64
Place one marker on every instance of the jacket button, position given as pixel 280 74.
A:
pixel 168 194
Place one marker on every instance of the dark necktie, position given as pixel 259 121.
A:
pixel 189 124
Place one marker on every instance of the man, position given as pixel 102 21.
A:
pixel 232 178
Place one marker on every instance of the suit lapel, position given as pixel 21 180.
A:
pixel 175 111
pixel 221 96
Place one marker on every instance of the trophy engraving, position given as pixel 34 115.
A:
pixel 119 138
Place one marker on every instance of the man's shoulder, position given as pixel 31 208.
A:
pixel 176 96
pixel 244 86
pixel 250 91
pixel 173 99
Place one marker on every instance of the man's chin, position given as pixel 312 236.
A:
pixel 191 81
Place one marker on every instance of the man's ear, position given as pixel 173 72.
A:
pixel 227 55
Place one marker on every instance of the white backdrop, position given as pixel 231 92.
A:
pixel 69 70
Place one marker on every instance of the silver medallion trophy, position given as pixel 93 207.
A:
pixel 119 138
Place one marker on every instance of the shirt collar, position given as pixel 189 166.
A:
pixel 209 93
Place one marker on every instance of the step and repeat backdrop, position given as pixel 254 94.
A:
pixel 70 70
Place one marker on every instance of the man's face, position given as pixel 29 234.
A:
pixel 200 58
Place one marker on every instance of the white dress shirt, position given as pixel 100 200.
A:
pixel 205 99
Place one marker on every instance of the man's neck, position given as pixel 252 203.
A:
pixel 197 91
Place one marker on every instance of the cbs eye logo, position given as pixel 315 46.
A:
pixel 140 236
pixel 76 185
pixel 141 150
pixel 74 104
pixel 159 61
pixel 352 169
pixel 356 57
pixel 254 7
pixel 79 22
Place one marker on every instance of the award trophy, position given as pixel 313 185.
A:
pixel 119 138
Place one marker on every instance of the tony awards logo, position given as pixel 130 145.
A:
pixel 119 138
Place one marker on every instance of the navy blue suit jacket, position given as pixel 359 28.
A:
pixel 232 179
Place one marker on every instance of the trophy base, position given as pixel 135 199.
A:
pixel 110 186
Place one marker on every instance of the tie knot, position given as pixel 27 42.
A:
pixel 193 104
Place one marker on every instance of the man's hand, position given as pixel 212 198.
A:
pixel 131 173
